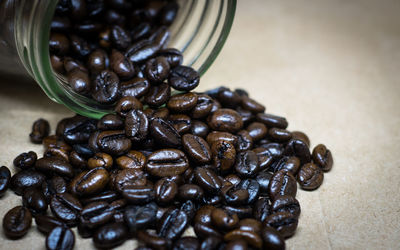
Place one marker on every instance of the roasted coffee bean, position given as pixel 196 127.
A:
pixel 322 157
pixel 263 179
pixel 210 242
pixel 60 24
pixel 79 81
pixel 236 245
pixel 55 165
pixel 83 149
pixel 246 164
pixel 128 177
pixel 142 30
pixel 47 223
pixel 275 149
pixel 264 156
pixel 298 148
pixel 182 103
pixel 164 133
pixel 203 107
pixel 233 178
pixel 282 183
pixel 310 176
pixel 158 95
pixel 180 122
pixel 60 238
pixel 153 241
pixel 85 232
pixel 252 105
pixel 133 159
pixel 100 160
pixel 226 120
pixel 113 142
pixel 187 242
pixel 189 207
pixel 120 37
pixel 58 44
pixel 261 209
pixel 141 51
pixel 96 214
pixel 287 163
pixel 196 148
pixel 279 134
pixel 301 136
pixel 173 224
pixel 79 47
pixel 136 125
pixel 173 56
pixel 55 185
pixel 140 217
pixel 223 219
pixel 110 122
pixel 207 179
pixel 252 187
pixel 167 162
pixel 166 190
pixel 204 231
pixel 121 65
pixel 16 222
pixel 34 200
pixel 40 129
pixel 257 131
pixel 56 152
pixel 215 136
pixel 246 115
pixel 223 154
pixel 251 238
pixel 157 69
pixel 214 200
pixel 66 207
pixel 90 182
pixel 118 205
pixel 190 192
pixel 245 141
pixel 110 235
pixel 183 78
pixel 114 17
pixel 5 176
pixel 127 104
pixel 106 196
pixel 135 87
pixel 234 196
pixel 71 64
pixel 272 121
pixel 199 128
pixel 25 179
pixel 138 194
pixel 77 129
pixel 250 224
pixel 97 61
pixel 25 160
pixel 203 215
pixel 168 13
pixel 286 203
pixel 284 222
pixel 105 89
pixel 57 64
pixel 272 239
pixel 162 113
pixel 228 98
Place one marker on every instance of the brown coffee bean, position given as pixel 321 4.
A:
pixel 100 160
pixel 54 165
pixel 25 179
pixel 157 69
pixel 301 136
pixel 5 176
pixel 121 65
pixel 279 134
pixel 286 203
pixel 245 141
pixel 79 81
pixel 207 179
pixel 133 159
pixel 60 238
pixel 127 104
pixel 135 87
pixel 251 238
pixel 182 103
pixel 164 133
pixel 199 128
pixel 282 183
pixel 25 160
pixel 196 148
pixel 272 239
pixel 257 131
pixel 215 136
pixel 153 241
pixel 16 222
pixel 110 122
pixel 298 148
pixel 46 223
pixel 136 125
pixel 287 163
pixel 96 214
pixel 284 222
pixel 40 129
pixel 322 157
pixel 105 87
pixel 167 162
pixel 166 190
pixel 90 182
pixel 97 61
pixel 113 142
pixel 66 207
pixel 252 105
pixel 310 176
pixel 226 120
pixel 128 177
pixel 158 95
pixel 180 122
pixel 203 106
pixel 272 121
pixel 250 224
pixel 224 155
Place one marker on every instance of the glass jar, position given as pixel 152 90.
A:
pixel 199 31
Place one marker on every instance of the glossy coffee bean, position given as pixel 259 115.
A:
pixel 279 135
pixel 236 245
pixel 110 235
pixel 183 78
pixel 173 56
pixel 246 164
pixel 16 222
pixel 301 136
pixel 142 50
pixel 276 150
pixel 272 239
pixel 310 176
pixel 105 196
pixel 57 64
pixel 120 37
pixel 25 160
pixel 77 129
pixel 96 214
pixel 186 242
pixel 199 128
pixel 90 182
pixel 322 157
pixel 5 176
pixel 233 178
pixel 25 179
pixel 298 148
pixel 286 203
pixel 246 115
pixel 272 121
pixel 166 190
pixel 252 105
pixel 79 47
pixel 46 223
pixel 113 142
pixel 79 81
pixel 252 187
pixel 196 148
pixel 173 224
pixel 71 64
pixel 135 87
pixel 167 162
pixel 287 163
pixel 136 125
pixel 158 95
pixel 207 179
pixel 54 165
pixel 66 207
pixel 282 183
pixel 105 87
pixel 60 238
pixel 257 131
pixel 264 156
pixel 203 107
pixel 251 238
pixel 100 160
pixel 153 241
pixel 56 152
pixel 132 159
pixel 138 194
pixel 284 222
pixel 250 224
pixel 245 141
pixel 40 129
pixel 261 209
pixel 58 44
pixel 182 103
pixel 228 98
pixel 204 231
pixel 226 120
pixel 164 133
pixel 128 177
pixel 234 196
pixel 97 61
pixel 121 66
pixel 140 217
pixel 210 243
pixel 223 219
pixel 263 179
pixel 190 192
pixel 60 24
pixel 110 122
pixel 157 69
pixel 224 155
pixel 34 200
pixel 215 136
pixel 180 122
pixel 55 185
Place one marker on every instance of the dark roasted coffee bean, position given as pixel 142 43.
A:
pixel 83 149
pixel 282 183
pixel 140 217
pixel 110 122
pixel 203 215
pixel 162 113
pixel 279 134
pixel 97 61
pixel 138 194
pixel 257 131
pixel 114 17
pixel 234 196
pixel 272 239
pixel 135 87
pixel 57 64
pixel 25 160
pixel 141 51
pixel 223 219
pixel 72 64
pixel 286 203
pixel 261 209
pixel 215 136
pixel 189 207
pixel 190 192
pixel 136 125
pixel 252 187
pixel 110 236
pixel 96 214
pixel 168 13
pixel 265 157
pixel 16 222
pixel 106 196
pixel 227 120
pixel 142 30
pixel 167 162
pixel 157 69
pixel 60 24
pixel 40 129
pixel 158 95
pixel 287 163
pixel 236 245
pixel 245 141
pixel 263 179
pixel 79 81
pixel 180 122
pixel 54 165
pixel 275 149
pixel 196 148
pixel 298 148
pixel 25 179
pixel 164 133
pixel 77 129
pixel 105 89
pixel 77 9
pixel 5 176
pixel 207 179
pixel 90 182
pixel 60 238
pixel 58 44
pixel 204 231
pixel 133 159
pixel 55 185
pixel 184 78
pixel 251 238
pixel 233 178
pixel 210 242
pixel 34 200
pixel 186 242
pixel 153 241
pixel 223 154
pixel 166 190
pixel 203 107
pixel 120 37
pixel 246 115
pixel 46 223
pixel 173 224
pixel 301 136
pixel 322 157
pixel 252 105
pixel 310 176
pixel 250 224
pixel 246 164
pixel 104 38
pixel 127 104
pixel 228 98
pixel 128 177
pixel 182 103
pixel 272 120
pixel 121 65
pixel 66 207
pixel 199 128
pixel 113 142
pixel 79 47
pixel 242 211
pixel 284 222
pixel 56 152
pixel 173 56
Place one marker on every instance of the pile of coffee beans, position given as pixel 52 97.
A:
pixel 161 163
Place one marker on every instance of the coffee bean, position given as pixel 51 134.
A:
pixel 166 190
pixel 127 104
pixel 263 179
pixel 245 141
pixel 252 187
pixel 252 105
pixel 157 69
pixel 110 122
pixel 25 160
pixel 174 57
pixel 79 81
pixel 141 51
pixel 120 37
pixel 234 196
pixel 60 24
pixel 204 231
pixel 207 179
pixel 153 241
pixel 199 128
pixel 167 162
pixel 286 203
pixel 47 223
pixel 182 103
pixel 55 185
pixel 246 115
pixel 210 243
pixel 16 222
pixel 113 142
pixel 56 152
pixel 173 224
pixel 105 196
pixel 233 178
pixel 140 217
pixel 135 87
pixel 58 44
pixel 272 239
pixel 228 98
pixel 105 89
pixel 322 157
pixel 287 163
pixel 196 148
pixel 168 13
pixel 164 133
pixel 215 136
pixel 5 176
pixel 66 207
pixel 89 182
pixel 298 148
pixel 223 219
pixel 158 95
pixel 121 66
pixel 40 129
pixel 136 125
pixel 236 245
pixel 57 64
pixel 284 222
pixel 110 236
pixel 133 159
pixel 226 120
pixel 272 120
pixel 250 224
pixel 251 238
pixel 138 194
pixel 71 64
pixel 190 192
pixel 54 165
pixel 257 131
pixel 282 183
pixel 34 200
pixel 310 176
pixel 128 177
pixel 25 179
pixel 187 242
pixel 180 122
pixel 279 134
pixel 96 214
pixel 100 160
pixel 183 78
pixel 301 136
pixel 60 238
pixel 203 106
pixel 79 47
pixel 77 129
pixel 97 61
pixel 223 154
pixel 261 209
pixel 246 164
pixel 264 156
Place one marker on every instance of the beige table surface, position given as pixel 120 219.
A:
pixel 332 68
